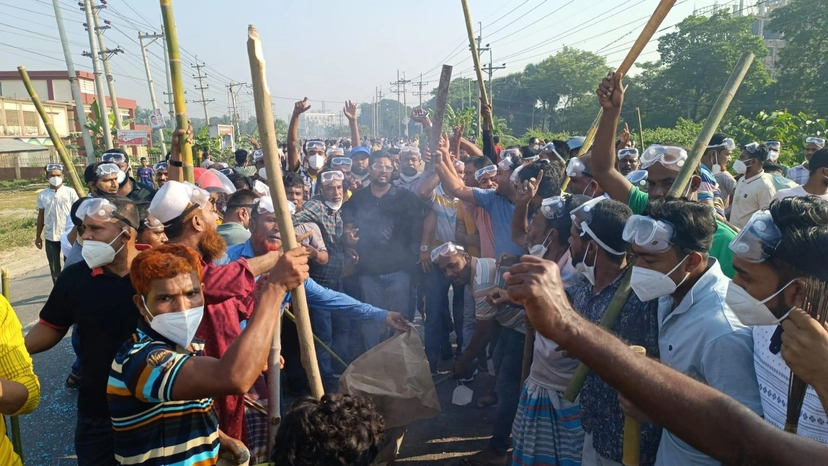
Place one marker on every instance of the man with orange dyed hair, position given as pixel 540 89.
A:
pixel 161 388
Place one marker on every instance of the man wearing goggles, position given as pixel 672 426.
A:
pixel 360 166
pixel 581 180
pixel 755 189
pixel 662 164
pixel 128 187
pixel 150 230
pixel 96 295
pixel 774 256
pixel 716 159
pixel 53 206
pixel 161 173
pixel 800 173
pixel 628 160
pixel 698 333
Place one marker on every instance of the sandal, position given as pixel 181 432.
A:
pixel 73 381
pixel 488 400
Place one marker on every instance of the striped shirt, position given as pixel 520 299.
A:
pixel 150 427
pixel 446 211
pixel 485 280
pixel 799 174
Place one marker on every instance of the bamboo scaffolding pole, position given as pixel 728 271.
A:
pixel 475 55
pixel 178 88
pixel 68 166
pixel 632 429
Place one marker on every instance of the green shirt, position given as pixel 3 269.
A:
pixel 233 233
pixel 638 201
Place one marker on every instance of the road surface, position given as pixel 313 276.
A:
pixel 48 432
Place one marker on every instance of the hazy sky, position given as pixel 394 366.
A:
pixel 327 50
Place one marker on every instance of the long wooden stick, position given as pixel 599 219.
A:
pixel 528 351
pixel 475 55
pixel 267 139
pixel 177 77
pixel 319 342
pixel 440 110
pixel 710 124
pixel 632 429
pixel 53 134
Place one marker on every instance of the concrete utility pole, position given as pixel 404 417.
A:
pixel 73 84
pixel 96 70
pixel 204 101
pixel 234 117
pixel 377 123
pixel 105 54
pixel 169 93
pixel 420 85
pixel 480 51
pixel 141 38
pixel 491 69
pixel 400 90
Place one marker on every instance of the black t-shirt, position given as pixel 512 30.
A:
pixel 140 192
pixel 101 304
pixel 387 229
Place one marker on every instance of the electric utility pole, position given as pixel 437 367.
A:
pixel 204 101
pixel 153 38
pixel 96 70
pixel 106 54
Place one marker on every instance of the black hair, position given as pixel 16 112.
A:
pixel 292 180
pixel 89 174
pixel 143 214
pixel 338 429
pixel 117 150
pixel 496 139
pixel 761 154
pixel 694 224
pixel 74 210
pixel 240 181
pixel 143 158
pixel 717 139
pixel 127 209
pixel 771 167
pixel 550 185
pixel 380 154
pixel 240 156
pixel 242 197
pixel 608 220
pixel 818 160
pixel 562 148
pixel 478 161
pixel 803 222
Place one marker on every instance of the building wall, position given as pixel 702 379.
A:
pixel 16 89
pixel 19 117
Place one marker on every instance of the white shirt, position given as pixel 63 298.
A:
pixel 56 205
pixel 751 195
pixel 798 191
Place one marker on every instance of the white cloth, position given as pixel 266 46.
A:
pixel 798 191
pixel 56 205
pixel 751 195
pixel 550 368
pixel 65 245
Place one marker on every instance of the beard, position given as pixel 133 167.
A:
pixel 264 243
pixel 211 245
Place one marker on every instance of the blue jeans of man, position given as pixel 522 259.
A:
pixel 438 317
pixel 94 441
pixel 390 292
pixel 321 325
pixel 509 352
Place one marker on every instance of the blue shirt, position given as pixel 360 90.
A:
pixel 319 297
pixel 704 339
pixel 501 211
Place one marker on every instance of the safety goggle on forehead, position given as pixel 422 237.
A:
pixel 753 147
pixel 648 233
pixel 339 161
pixel 774 145
pixel 727 143
pixel 265 205
pixel 100 209
pixel 153 224
pixel 576 169
pixel 758 239
pixel 114 157
pixel 669 156
pixel 550 149
pixel 315 144
pixel 553 207
pixel 487 170
pixel 582 217
pixel 106 169
pixel 54 166
pixel 638 177
pixel 331 176
pixel 815 140
pixel 160 167
pixel 628 153
pixel 445 249
pixel 335 152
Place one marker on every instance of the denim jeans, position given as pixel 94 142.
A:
pixel 94 442
pixel 321 325
pixel 509 351
pixel 53 256
pixel 438 317
pixel 389 292
pixel 77 368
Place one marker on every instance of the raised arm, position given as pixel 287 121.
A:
pixel 293 133
pixel 350 112
pixel 488 137
pixel 452 183
pixel 520 219
pixel 426 191
pixel 611 97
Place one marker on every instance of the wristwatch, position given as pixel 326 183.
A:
pixel 424 248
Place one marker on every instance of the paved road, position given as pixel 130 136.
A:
pixel 48 432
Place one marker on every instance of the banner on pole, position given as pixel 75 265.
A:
pixel 132 137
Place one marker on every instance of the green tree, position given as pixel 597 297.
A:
pixel 787 128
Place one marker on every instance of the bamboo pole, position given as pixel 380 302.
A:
pixel 178 88
pixel 267 138
pixel 68 166
pixel 319 342
pixel 640 129
pixel 632 429
pixel 17 442
pixel 475 55
pixel 710 124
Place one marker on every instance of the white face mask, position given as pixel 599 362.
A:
pixel 750 310
pixel 651 284
pixel 98 253
pixel 263 173
pixel 536 148
pixel 334 205
pixel 587 271
pixel 716 168
pixel 316 161
pixel 56 181
pixel 178 327
pixel 740 167
pixel 539 250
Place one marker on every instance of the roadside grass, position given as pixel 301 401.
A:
pixel 18 216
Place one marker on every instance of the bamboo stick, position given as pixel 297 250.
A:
pixel 319 342
pixel 528 351
pixel 710 124
pixel 640 129
pixel 632 429
pixel 475 55
pixel 267 138
pixel 68 166
pixel 177 77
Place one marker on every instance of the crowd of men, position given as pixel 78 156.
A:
pixel 173 290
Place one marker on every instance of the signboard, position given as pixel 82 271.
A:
pixel 226 133
pixel 406 120
pixel 132 137
pixel 157 119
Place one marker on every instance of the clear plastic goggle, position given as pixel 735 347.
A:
pixel 100 209
pixel 409 150
pixel 508 153
pixel 652 235
pixel 264 205
pixel 335 152
pixel 106 169
pixel 531 159
pixel 669 156
pixel 727 143
pixel 582 216
pixel 113 157
pixel 487 170
pixel 628 153
pixel 153 224
pixel 550 149
pixel 445 249
pixel 160 166
pixel 638 177
pixel 382 167
pixel 815 140
pixel 575 168
pixel 331 176
pixel 337 161
pixel 54 166
pixel 258 154
pixel 315 144
pixel 753 148
pixel 773 144
pixel 758 239
pixel 553 207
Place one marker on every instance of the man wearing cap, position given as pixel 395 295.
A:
pixel 716 159
pixel 817 184
pixel 53 205
pixel 800 173
pixel 755 189
pixel 95 294
pixel 359 168
pixel 161 173
pixel 128 187
pixel 234 225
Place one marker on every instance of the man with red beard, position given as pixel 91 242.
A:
pixel 189 217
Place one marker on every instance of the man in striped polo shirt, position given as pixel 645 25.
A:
pixel 160 388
